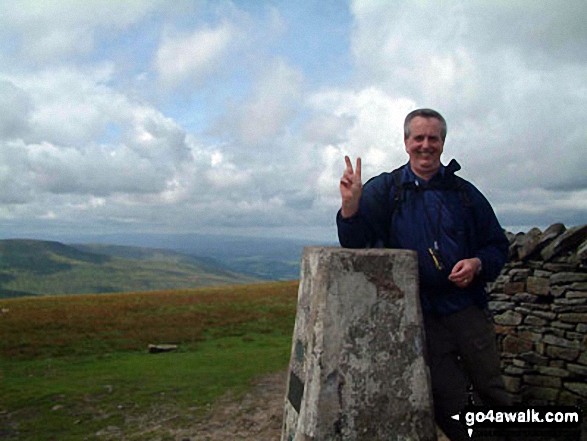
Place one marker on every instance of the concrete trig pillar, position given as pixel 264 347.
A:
pixel 357 369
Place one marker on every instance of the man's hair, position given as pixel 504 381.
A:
pixel 425 113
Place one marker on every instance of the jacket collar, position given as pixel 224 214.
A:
pixel 410 177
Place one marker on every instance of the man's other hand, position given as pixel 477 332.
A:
pixel 464 271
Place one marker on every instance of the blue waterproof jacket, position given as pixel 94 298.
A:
pixel 447 214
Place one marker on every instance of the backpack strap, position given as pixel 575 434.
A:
pixel 463 190
pixel 399 195
pixel 397 200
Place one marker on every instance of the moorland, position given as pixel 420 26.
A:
pixel 77 367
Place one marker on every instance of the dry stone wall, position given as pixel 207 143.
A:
pixel 540 311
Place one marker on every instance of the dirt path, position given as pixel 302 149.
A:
pixel 256 417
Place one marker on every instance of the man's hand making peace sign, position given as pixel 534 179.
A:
pixel 351 188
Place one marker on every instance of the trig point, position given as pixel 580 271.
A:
pixel 357 369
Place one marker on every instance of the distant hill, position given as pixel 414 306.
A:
pixel 37 268
pixel 266 258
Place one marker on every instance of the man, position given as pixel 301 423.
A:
pixel 424 206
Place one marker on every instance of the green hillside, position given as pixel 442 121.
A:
pixel 78 367
pixel 38 268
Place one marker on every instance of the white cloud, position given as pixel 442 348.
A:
pixel 50 30
pixel 16 107
pixel 228 176
pixel 538 30
pixel 15 185
pixel 267 111
pixel 194 56
pixel 60 117
pixel 67 105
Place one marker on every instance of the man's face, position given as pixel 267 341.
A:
pixel 424 146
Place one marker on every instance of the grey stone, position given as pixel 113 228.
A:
pixel 533 264
pixel 501 279
pixel 582 251
pixel 534 358
pixel 535 321
pixel 567 302
pixel 562 342
pixel 579 286
pixel 578 388
pixel 159 348
pixel 525 297
pixel 519 274
pixel 577 369
pixel 552 232
pixel 540 395
pixel 558 291
pixel 515 243
pixel 560 267
pixel 536 311
pixel 536 306
pixel 553 371
pixel 500 297
pixel 561 353
pixel 576 295
pixel 572 317
pixel 511 288
pixel 510 236
pixel 540 348
pixel 569 399
pixel 538 286
pixel 576 309
pixel 497 306
pixel 576 336
pixel 357 368
pixel 570 239
pixel 528 244
pixel 521 363
pixel 561 325
pixel 514 370
pixel 543 381
pixel 512 384
pixel 557 332
pixel 515 345
pixel 530 336
pixel 508 318
pixel 567 278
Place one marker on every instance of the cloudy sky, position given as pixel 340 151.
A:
pixel 234 117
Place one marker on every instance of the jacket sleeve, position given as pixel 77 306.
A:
pixel 368 228
pixel 490 242
pixel 353 232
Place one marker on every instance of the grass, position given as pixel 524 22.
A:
pixel 76 367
